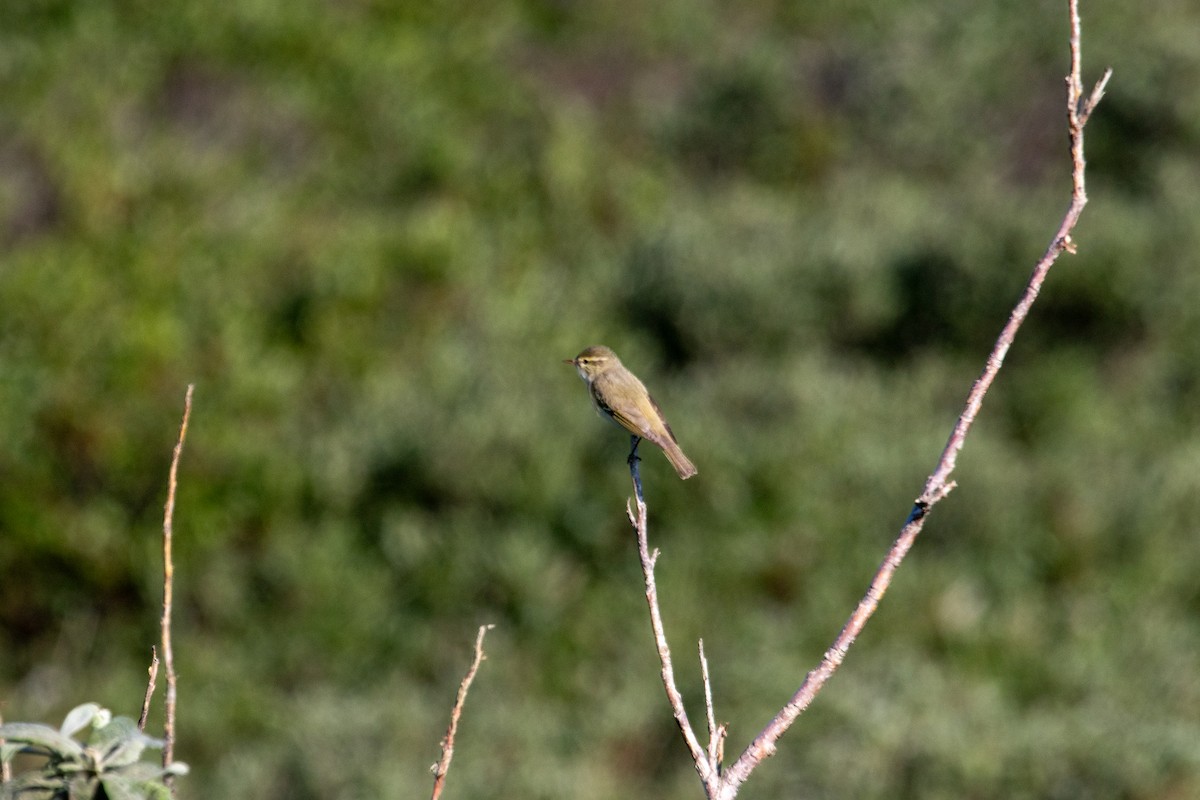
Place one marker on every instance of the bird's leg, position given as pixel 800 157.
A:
pixel 633 468
pixel 633 444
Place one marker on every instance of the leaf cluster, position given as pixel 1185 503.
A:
pixel 106 766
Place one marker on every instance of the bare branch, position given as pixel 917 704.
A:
pixel 443 766
pixel 938 485
pixel 168 590
pixel 153 670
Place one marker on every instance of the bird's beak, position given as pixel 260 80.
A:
pixel 570 361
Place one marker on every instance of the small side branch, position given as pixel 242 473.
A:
pixel 716 734
pixel 168 591
pixel 443 766
pixel 153 672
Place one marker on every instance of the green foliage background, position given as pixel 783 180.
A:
pixel 370 231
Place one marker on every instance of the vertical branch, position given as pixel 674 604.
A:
pixel 168 589
pixel 443 766
pixel 708 775
pixel 938 485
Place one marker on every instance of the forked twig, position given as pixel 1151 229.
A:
pixel 443 766
pixel 724 785
pixel 708 775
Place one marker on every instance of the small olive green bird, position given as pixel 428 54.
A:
pixel 620 397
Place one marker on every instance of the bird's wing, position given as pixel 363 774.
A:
pixel 634 422
pixel 642 422
pixel 662 418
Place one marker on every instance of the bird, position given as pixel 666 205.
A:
pixel 620 397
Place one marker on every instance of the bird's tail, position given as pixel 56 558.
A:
pixel 682 464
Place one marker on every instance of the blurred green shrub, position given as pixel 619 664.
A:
pixel 369 233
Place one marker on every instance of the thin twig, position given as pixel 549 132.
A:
pixel 715 734
pixel 168 655
pixel 443 766
pixel 708 776
pixel 939 484
pixel 153 670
